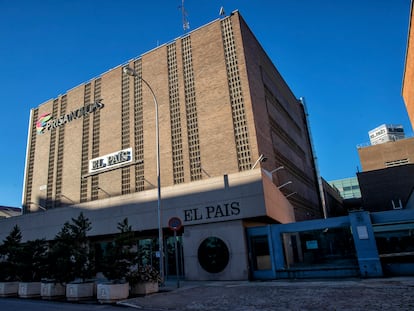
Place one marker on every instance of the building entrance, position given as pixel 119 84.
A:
pixel 148 253
pixel 171 264
pixel 360 244
pixel 260 253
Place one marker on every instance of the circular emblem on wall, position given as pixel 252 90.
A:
pixel 213 255
pixel 42 121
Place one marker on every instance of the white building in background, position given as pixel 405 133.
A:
pixel 385 133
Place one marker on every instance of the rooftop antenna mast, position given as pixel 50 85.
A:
pixel 186 24
pixel 222 12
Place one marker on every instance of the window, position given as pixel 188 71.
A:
pixel 327 247
pixel 396 162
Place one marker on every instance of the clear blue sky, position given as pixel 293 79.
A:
pixel 346 57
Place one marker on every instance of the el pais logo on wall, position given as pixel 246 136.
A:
pixel 45 122
pixel 110 161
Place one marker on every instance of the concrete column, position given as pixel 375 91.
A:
pixel 365 245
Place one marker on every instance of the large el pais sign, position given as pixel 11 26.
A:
pixel 110 161
pixel 46 123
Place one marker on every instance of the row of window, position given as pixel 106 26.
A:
pixel 85 146
pixel 138 128
pixel 241 134
pixel 176 136
pixel 51 165
pixel 191 111
pixel 96 139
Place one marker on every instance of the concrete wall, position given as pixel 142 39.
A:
pixel 281 129
pixel 216 200
pixel 233 235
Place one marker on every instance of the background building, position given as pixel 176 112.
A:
pixel 387 168
pixel 347 187
pixel 350 195
pixel 387 154
pixel 7 211
pixel 386 189
pixel 227 124
pixel 334 203
pixel 385 133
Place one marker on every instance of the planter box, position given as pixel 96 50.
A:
pixel 9 289
pixel 29 289
pixel 144 288
pixel 109 293
pixel 79 291
pixel 52 290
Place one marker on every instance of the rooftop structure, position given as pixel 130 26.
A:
pixel 385 133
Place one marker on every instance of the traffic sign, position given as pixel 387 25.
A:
pixel 175 223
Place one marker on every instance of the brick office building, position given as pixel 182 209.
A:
pixel 408 78
pixel 227 121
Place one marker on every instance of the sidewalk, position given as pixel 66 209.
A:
pixel 332 294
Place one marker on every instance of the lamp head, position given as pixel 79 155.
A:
pixel 129 71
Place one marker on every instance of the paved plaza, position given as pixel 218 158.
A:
pixel 339 294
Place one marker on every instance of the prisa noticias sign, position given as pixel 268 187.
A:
pixel 46 123
pixel 110 161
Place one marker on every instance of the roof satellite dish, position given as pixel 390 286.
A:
pixel 222 13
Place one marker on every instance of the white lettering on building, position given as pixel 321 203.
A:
pixel 111 160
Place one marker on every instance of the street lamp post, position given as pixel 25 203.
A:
pixel 131 72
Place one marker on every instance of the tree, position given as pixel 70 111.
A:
pixel 32 262
pixel 10 255
pixel 118 256
pixel 70 256
pixel 82 254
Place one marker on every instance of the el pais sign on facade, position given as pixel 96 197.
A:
pixel 110 161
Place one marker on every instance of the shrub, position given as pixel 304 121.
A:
pixel 142 274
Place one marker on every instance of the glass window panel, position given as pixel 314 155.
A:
pixel 330 246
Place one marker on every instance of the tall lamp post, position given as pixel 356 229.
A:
pixel 131 72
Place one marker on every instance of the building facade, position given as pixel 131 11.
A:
pixel 408 79
pixel 226 121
